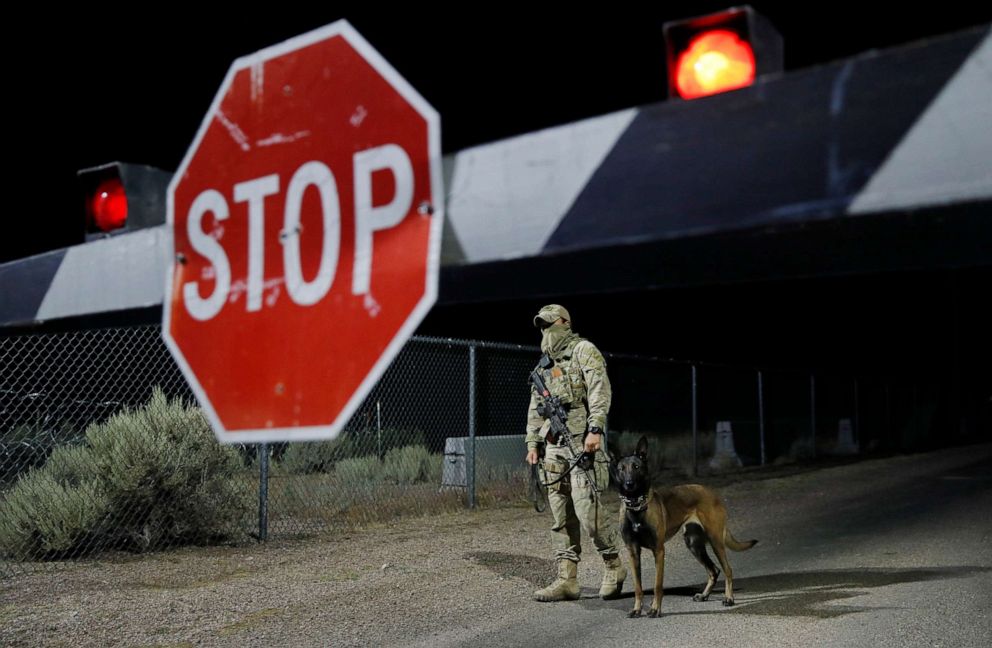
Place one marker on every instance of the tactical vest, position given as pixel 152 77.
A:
pixel 565 379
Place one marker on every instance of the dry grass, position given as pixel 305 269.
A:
pixel 322 501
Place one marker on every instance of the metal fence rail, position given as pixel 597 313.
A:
pixel 67 450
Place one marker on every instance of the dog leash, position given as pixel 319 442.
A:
pixel 570 468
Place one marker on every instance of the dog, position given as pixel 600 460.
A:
pixel 649 518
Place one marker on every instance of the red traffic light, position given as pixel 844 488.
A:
pixel 108 205
pixel 720 52
pixel 715 61
pixel 120 197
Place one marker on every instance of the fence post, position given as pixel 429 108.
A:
pixel 761 415
pixel 695 427
pixel 378 427
pixel 263 492
pixel 857 417
pixel 470 453
pixel 913 426
pixel 888 414
pixel 812 414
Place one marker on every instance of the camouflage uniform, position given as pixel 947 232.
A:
pixel 579 379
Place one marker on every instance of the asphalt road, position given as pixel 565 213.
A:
pixel 886 553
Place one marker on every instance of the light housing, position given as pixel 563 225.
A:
pixel 719 52
pixel 119 197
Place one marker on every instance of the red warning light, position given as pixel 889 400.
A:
pixel 118 197
pixel 718 52
pixel 108 205
pixel 715 61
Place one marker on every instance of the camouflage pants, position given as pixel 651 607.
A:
pixel 573 505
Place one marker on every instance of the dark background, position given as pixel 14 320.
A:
pixel 132 83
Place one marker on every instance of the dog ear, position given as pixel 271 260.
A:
pixel 642 448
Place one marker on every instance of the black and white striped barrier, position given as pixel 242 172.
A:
pixel 869 142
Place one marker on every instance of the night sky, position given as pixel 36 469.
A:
pixel 132 83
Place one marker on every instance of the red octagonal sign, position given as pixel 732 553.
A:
pixel 306 223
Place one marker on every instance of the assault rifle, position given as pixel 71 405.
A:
pixel 556 412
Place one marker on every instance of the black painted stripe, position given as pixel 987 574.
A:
pixel 796 148
pixel 24 284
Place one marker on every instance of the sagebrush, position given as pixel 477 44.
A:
pixel 144 479
pixel 306 457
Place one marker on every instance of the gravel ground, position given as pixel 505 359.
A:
pixel 467 577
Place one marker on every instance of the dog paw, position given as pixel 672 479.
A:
pixel 728 602
pixel 654 613
pixel 699 598
pixel 634 614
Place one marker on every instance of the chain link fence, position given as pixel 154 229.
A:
pixel 102 448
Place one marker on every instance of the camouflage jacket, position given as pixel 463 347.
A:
pixel 579 379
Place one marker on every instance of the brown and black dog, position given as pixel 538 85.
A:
pixel 649 518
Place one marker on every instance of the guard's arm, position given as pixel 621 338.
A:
pixel 593 440
pixel 599 394
pixel 534 423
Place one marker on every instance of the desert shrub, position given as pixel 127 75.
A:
pixel 301 458
pixel 358 470
pixel 71 465
pixel 28 445
pixel 412 465
pixel 370 441
pixel 487 472
pixel 309 457
pixel 144 479
pixel 434 468
pixel 43 517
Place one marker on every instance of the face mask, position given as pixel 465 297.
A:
pixel 554 338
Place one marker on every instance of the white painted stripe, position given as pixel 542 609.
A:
pixel 947 156
pixel 114 274
pixel 505 200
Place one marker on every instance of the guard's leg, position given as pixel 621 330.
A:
pixel 564 588
pixel 601 528
pixel 565 536
pixel 565 527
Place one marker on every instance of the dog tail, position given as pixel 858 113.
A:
pixel 733 543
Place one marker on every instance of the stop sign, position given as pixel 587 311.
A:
pixel 306 224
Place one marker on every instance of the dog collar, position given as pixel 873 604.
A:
pixel 635 504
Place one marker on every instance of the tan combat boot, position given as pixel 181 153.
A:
pixel 613 575
pixel 565 587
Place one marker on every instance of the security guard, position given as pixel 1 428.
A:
pixel 578 378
